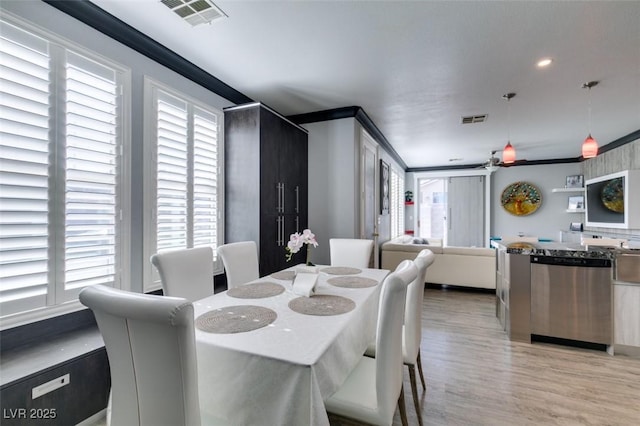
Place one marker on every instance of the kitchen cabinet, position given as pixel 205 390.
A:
pixel 266 182
pixel 626 302
pixel 513 293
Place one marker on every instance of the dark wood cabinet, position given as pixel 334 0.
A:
pixel 266 182
pixel 86 394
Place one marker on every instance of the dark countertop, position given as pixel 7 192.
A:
pixel 562 249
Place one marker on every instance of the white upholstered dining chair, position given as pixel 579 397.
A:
pixel 240 262
pixel 373 389
pixel 186 273
pixel 150 343
pixel 412 328
pixel 350 252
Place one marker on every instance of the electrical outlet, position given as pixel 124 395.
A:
pixel 52 385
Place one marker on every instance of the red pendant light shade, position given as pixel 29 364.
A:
pixel 508 154
pixel 589 147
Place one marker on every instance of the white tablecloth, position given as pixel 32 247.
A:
pixel 280 374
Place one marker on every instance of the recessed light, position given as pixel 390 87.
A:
pixel 544 62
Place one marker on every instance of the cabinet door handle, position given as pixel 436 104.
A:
pixel 283 197
pixel 297 224
pixel 297 199
pixel 283 231
pixel 278 203
pixel 279 233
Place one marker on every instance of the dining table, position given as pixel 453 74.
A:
pixel 268 355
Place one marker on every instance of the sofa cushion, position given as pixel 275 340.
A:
pixel 420 241
pixel 411 248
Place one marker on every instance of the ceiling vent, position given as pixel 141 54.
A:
pixel 471 119
pixel 195 12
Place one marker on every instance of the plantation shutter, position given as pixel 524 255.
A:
pixel 205 179
pixel 24 183
pixel 91 204
pixel 172 171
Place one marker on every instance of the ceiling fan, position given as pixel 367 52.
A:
pixel 493 163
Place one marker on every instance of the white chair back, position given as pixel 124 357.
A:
pixel 389 337
pixel 150 343
pixel 413 309
pixel 186 273
pixel 350 252
pixel 240 262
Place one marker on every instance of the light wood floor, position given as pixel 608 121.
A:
pixel 476 376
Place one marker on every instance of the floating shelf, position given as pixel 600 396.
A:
pixel 567 190
pixel 575 210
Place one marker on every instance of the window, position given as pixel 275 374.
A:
pixel 397 203
pixel 183 200
pixel 62 179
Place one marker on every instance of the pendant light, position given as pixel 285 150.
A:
pixel 509 152
pixel 589 146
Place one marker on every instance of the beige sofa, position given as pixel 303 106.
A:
pixel 460 266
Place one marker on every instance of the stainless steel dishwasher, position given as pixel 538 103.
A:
pixel 571 298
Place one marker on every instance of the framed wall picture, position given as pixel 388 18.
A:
pixel 384 187
pixel 575 181
pixel 576 202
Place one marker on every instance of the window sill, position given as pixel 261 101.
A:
pixel 36 315
pixel 31 359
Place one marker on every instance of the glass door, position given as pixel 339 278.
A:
pixel 452 209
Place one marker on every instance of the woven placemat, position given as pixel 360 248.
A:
pixel 284 275
pixel 235 319
pixel 322 304
pixel 341 270
pixel 352 282
pixel 256 290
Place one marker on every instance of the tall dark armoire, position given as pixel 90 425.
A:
pixel 266 182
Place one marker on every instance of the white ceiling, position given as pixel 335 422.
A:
pixel 416 67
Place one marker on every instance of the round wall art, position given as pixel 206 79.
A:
pixel 521 198
pixel 612 195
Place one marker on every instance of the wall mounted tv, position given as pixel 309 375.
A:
pixel 613 201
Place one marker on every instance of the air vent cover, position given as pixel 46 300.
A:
pixel 195 11
pixel 471 119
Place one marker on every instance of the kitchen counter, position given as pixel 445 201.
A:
pixel 561 249
pixel 520 305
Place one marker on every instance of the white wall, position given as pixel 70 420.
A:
pixel 551 217
pixel 333 188
pixel 63 25
pixel 334 207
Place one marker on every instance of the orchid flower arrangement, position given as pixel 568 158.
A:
pixel 297 240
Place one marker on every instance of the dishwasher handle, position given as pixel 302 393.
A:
pixel 581 262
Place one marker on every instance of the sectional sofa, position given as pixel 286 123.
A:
pixel 459 266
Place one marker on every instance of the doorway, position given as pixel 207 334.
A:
pixel 452 209
pixel 368 192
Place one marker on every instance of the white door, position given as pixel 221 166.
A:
pixel 369 192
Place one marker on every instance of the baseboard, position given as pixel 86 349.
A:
pixel 447 287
